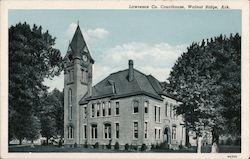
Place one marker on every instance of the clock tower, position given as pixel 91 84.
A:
pixel 77 84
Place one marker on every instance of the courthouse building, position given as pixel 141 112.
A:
pixel 127 106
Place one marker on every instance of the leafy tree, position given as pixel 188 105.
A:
pixel 206 79
pixel 31 59
pixel 51 114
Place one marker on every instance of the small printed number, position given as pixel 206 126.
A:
pixel 232 156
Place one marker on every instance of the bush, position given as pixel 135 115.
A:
pixel 143 147
pixel 116 146
pixel 229 141
pixel 96 145
pixel 237 141
pixel 126 147
pixel 108 146
pixel 157 146
pixel 152 146
pixel 75 145
pixel 222 142
pixel 135 147
pixel 85 144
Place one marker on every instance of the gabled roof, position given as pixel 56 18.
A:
pixel 117 85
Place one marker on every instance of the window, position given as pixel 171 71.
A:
pixel 109 108
pixel 155 133
pixel 174 132
pixel 117 130
pixel 103 109
pixel 70 104
pixel 159 137
pixel 175 111
pixel 166 109
pixel 98 109
pixel 93 110
pixel 146 130
pixel 94 131
pixel 84 112
pixel 70 132
pixel 71 76
pixel 155 113
pixel 171 110
pixel 84 131
pixel 146 107
pixel 159 114
pixel 136 130
pixel 136 106
pixel 107 131
pixel 117 108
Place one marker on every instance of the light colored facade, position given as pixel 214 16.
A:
pixel 127 107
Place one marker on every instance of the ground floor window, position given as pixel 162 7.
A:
pixel 146 130
pixel 94 131
pixel 84 131
pixel 107 131
pixel 70 132
pixel 135 130
pixel 117 130
pixel 174 132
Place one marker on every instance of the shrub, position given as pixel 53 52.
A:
pixel 96 145
pixel 85 144
pixel 237 141
pixel 229 141
pixel 135 147
pixel 75 145
pixel 157 146
pixel 108 146
pixel 152 146
pixel 126 147
pixel 143 147
pixel 222 142
pixel 116 146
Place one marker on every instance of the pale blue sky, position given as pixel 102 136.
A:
pixel 154 39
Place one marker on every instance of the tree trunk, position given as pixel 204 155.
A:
pixel 199 144
pixel 187 138
pixel 47 140
pixel 215 141
pixel 20 141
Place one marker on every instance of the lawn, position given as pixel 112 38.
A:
pixel 51 148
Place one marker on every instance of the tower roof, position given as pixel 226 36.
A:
pixel 78 45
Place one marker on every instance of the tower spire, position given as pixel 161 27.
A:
pixel 77 22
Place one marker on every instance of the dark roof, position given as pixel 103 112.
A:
pixel 117 85
pixel 78 45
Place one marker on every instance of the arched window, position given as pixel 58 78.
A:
pixel 70 132
pixel 146 104
pixel 136 106
pixel 70 104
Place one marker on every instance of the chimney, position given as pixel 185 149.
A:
pixel 130 70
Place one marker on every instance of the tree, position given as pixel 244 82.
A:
pixel 206 79
pixel 51 114
pixel 31 59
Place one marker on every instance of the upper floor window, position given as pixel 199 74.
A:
pixel 136 107
pixel 146 104
pixel 84 112
pixel 109 108
pixel 103 109
pixel 71 75
pixel 93 110
pixel 166 109
pixel 135 130
pixel 157 114
pixel 174 132
pixel 98 109
pixel 70 104
pixel 117 105
pixel 171 110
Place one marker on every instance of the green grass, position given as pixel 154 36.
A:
pixel 51 148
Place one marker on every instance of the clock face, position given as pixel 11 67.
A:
pixel 85 58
